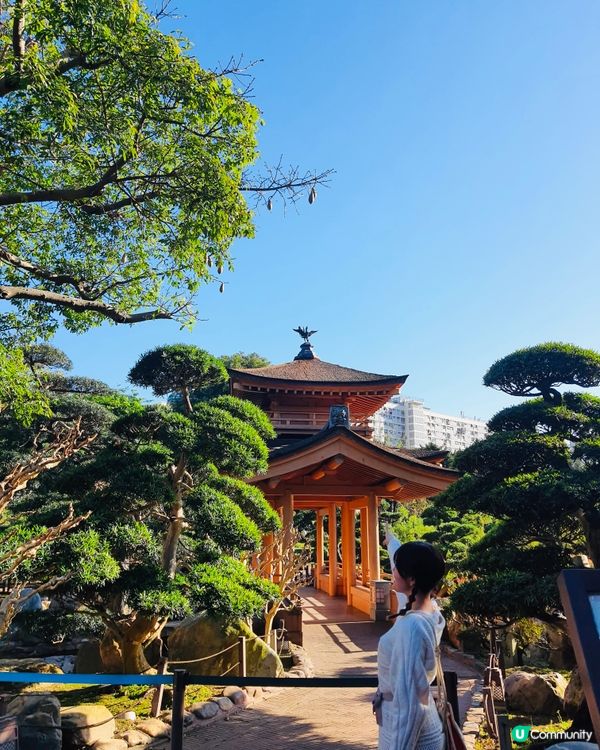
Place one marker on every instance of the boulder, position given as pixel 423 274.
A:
pixel 204 710
pixel 538 695
pixel 135 738
pixel 544 644
pixel 154 728
pixel 88 659
pixel 39 721
pixel 223 703
pixel 29 665
pixel 574 694
pixel 167 717
pixel 86 724
pixel 236 695
pixel 200 635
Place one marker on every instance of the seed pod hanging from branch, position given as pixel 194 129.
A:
pixel 312 196
pixel 270 204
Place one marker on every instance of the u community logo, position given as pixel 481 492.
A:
pixel 522 733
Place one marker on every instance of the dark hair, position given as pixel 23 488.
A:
pixel 423 562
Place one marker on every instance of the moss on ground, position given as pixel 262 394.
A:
pixel 136 698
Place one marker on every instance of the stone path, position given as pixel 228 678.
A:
pixel 341 642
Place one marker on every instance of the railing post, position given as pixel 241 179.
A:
pixel 179 683
pixel 159 690
pixel 242 655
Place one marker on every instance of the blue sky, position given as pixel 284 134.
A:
pixel 462 221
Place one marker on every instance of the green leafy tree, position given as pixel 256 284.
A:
pixel 537 475
pixel 169 507
pixel 66 426
pixel 408 526
pixel 244 360
pixel 219 387
pixel 125 167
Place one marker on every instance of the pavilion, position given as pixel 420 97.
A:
pixel 324 460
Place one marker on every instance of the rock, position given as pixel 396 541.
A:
pixel 199 636
pixel 29 665
pixel 86 724
pixel 135 738
pixel 31 605
pixel 223 703
pixel 39 721
pixel 88 659
pixel 540 695
pixel 205 710
pixel 574 694
pixel 544 644
pixel 154 728
pixel 114 744
pixel 167 717
pixel 236 695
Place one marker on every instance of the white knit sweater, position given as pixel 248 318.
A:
pixel 406 668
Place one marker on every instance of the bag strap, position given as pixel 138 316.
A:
pixel 442 696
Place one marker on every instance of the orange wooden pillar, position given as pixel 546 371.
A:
pixel 364 546
pixel 348 550
pixel 319 551
pixel 332 526
pixel 287 517
pixel 373 535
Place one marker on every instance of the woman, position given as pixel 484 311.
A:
pixel 406 658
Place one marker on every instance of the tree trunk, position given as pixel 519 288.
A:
pixel 591 528
pixel 123 653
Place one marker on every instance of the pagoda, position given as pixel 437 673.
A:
pixel 323 459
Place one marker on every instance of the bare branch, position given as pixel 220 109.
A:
pixel 68 441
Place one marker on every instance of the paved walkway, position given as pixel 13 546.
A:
pixel 340 642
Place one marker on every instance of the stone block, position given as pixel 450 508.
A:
pixel 86 724
pixel 135 738
pixel 154 728
pixel 205 709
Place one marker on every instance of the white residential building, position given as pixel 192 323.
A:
pixel 408 423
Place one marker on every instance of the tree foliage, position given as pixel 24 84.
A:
pixel 30 447
pixel 538 370
pixel 536 476
pixel 125 167
pixel 169 507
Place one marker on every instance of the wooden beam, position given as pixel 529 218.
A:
pixel 328 467
pixel 392 485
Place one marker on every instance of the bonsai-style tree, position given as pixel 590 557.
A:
pixel 125 167
pixel 41 428
pixel 170 508
pixel 537 475
pixel 293 555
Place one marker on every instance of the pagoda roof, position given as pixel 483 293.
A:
pixel 315 372
pixel 339 462
pixel 408 456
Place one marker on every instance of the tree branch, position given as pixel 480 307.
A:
pixel 64 194
pixel 64 446
pixel 81 305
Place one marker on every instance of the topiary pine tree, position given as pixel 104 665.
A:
pixel 51 428
pixel 170 509
pixel 538 475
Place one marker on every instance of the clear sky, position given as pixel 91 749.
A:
pixel 463 219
